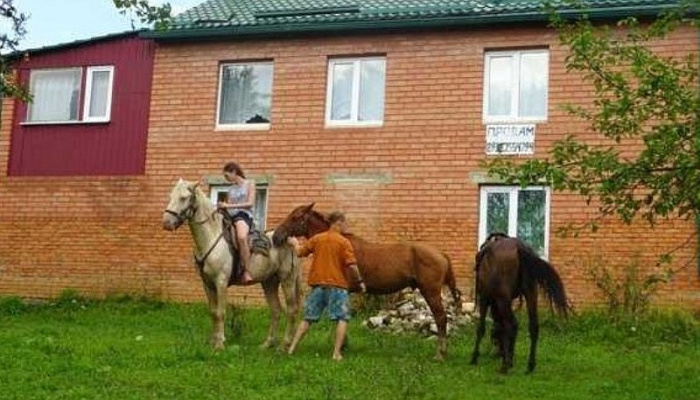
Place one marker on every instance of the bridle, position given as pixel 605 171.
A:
pixel 187 212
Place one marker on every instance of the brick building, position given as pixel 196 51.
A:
pixel 382 109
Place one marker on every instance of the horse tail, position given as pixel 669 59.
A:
pixel 451 283
pixel 542 272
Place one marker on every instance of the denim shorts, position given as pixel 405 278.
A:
pixel 241 216
pixel 336 300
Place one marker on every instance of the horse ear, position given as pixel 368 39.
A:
pixel 194 185
pixel 310 206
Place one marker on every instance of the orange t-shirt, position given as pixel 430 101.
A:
pixel 332 254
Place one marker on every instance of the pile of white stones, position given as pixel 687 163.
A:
pixel 412 314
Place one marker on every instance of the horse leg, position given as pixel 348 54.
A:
pixel 292 295
pixel 218 310
pixel 533 324
pixel 434 300
pixel 480 328
pixel 271 289
pixel 509 328
pixel 210 291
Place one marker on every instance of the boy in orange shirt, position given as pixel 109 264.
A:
pixel 329 286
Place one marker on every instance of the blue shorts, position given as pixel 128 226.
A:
pixel 241 216
pixel 321 297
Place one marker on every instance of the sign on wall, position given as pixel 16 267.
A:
pixel 510 139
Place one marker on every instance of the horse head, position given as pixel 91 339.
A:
pixel 295 224
pixel 181 206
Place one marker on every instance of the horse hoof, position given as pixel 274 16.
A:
pixel 268 344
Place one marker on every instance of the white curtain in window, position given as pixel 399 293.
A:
pixel 533 85
pixel 55 95
pixel 246 94
pixel 371 106
pixel 341 96
pixel 500 84
pixel 99 94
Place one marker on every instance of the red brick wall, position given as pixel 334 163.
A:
pixel 103 234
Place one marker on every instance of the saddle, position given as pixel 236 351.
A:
pixel 258 243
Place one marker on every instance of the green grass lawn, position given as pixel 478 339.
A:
pixel 126 349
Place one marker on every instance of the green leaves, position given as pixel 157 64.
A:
pixel 141 10
pixel 9 41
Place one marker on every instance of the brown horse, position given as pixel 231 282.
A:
pixel 387 268
pixel 506 268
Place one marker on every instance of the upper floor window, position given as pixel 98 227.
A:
pixel 98 96
pixel 56 95
pixel 517 212
pixel 516 85
pixel 355 94
pixel 245 96
pixel 220 192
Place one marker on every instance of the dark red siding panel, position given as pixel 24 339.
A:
pixel 117 147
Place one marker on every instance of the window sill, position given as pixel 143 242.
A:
pixel 243 127
pixel 369 124
pixel 497 121
pixel 34 123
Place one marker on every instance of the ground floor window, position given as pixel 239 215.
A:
pixel 517 212
pixel 219 193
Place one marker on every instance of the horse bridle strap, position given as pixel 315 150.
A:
pixel 187 212
pixel 200 262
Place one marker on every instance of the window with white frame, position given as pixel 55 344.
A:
pixel 245 95
pixel 516 85
pixel 220 193
pixel 56 96
pixel 98 93
pixel 355 93
pixel 517 212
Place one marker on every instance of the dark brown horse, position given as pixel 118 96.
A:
pixel 506 268
pixel 387 268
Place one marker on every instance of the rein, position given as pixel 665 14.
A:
pixel 187 215
pixel 200 262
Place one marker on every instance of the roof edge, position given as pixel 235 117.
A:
pixel 380 25
pixel 75 43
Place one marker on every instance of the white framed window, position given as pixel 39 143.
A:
pixel 355 91
pixel 517 212
pixel 98 94
pixel 516 85
pixel 56 95
pixel 219 193
pixel 245 96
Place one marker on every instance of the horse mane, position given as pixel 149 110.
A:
pixel 204 204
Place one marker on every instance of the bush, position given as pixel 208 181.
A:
pixel 13 306
pixel 625 289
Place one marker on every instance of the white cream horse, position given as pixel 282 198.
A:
pixel 214 262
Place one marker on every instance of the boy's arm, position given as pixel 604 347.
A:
pixel 359 277
pixel 300 250
pixel 351 262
